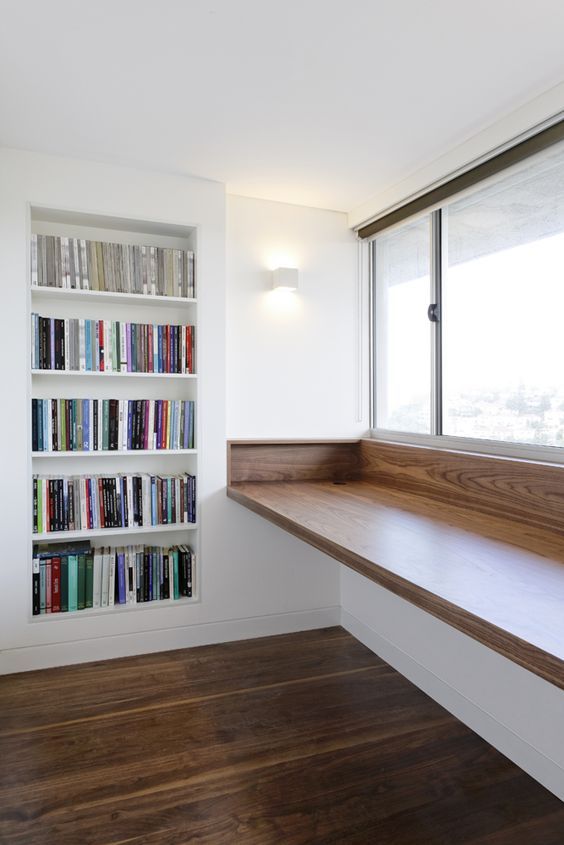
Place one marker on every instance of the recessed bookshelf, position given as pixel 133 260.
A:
pixel 67 300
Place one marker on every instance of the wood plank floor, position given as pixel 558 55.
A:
pixel 302 738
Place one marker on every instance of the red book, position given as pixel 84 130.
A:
pixel 189 356
pixel 56 585
pixel 151 362
pixel 101 344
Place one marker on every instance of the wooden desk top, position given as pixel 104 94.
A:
pixel 501 584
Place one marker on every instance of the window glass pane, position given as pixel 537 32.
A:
pixel 402 329
pixel 503 307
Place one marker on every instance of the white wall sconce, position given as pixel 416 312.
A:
pixel 285 278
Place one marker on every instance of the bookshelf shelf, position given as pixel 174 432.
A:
pixel 57 536
pixel 158 604
pixel 64 294
pixel 91 373
pixel 114 453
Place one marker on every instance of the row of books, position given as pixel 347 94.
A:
pixel 78 264
pixel 65 579
pixel 96 425
pixel 111 346
pixel 85 502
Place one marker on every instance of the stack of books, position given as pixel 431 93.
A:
pixel 79 503
pixel 78 577
pixel 96 425
pixel 111 346
pixel 78 264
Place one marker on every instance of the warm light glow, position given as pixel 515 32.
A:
pixel 282 302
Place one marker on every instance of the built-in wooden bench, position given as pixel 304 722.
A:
pixel 477 541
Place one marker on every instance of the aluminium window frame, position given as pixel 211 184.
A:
pixel 436 439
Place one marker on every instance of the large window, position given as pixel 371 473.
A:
pixel 488 361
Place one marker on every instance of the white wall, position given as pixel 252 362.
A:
pixel 293 365
pixel 254 579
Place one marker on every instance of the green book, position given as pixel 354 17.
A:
pixel 105 424
pixel 175 578
pixel 73 582
pixel 64 583
pixel 89 600
pixel 63 424
pixel 81 582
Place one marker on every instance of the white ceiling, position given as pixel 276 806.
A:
pixel 318 102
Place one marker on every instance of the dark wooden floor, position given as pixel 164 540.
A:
pixel 304 738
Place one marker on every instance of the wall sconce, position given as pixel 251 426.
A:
pixel 285 278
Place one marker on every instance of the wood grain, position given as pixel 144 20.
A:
pixel 303 738
pixel 526 492
pixel 292 460
pixel 501 587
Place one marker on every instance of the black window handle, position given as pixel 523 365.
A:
pixel 433 312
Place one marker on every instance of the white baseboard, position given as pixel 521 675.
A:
pixel 104 648
pixel 528 758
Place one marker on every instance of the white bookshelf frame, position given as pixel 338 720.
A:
pixel 164 309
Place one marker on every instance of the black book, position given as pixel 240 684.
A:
pixel 146 563
pixel 166 577
pixel 35 586
pixel 60 345
pixel 95 432
pixel 164 502
pixel 34 429
pixel 138 405
pixel 139 572
pixel 71 505
pixel 35 524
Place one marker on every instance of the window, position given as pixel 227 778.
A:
pixel 492 259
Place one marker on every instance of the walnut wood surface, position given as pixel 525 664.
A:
pixel 291 460
pixel 297 739
pixel 501 586
pixel 527 492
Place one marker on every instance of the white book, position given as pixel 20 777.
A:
pixel 67 345
pixel 120 424
pixel 83 501
pixel 112 579
pixel 84 263
pixel 97 591
pixel 179 507
pixel 122 347
pixel 183 339
pixel 129 487
pixel 125 423
pixel 104 598
pixel 146 499
pixel 82 346
pixel 34 259
pixel 108 346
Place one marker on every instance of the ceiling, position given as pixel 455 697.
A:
pixel 318 102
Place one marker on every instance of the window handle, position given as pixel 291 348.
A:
pixel 433 312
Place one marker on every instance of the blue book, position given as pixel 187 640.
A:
pixel 153 501
pixel 85 425
pixel 159 413
pixel 155 349
pixel 121 577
